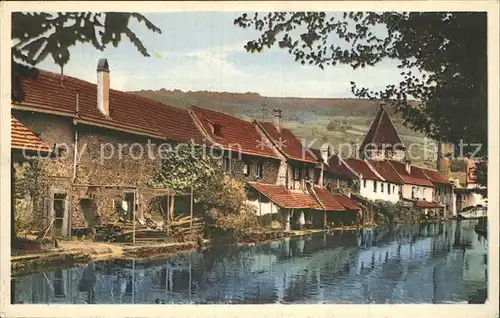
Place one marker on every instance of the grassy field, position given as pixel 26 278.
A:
pixel 316 120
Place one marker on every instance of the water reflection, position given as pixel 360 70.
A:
pixel 435 263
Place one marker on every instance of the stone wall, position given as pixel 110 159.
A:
pixel 100 179
pixel 270 169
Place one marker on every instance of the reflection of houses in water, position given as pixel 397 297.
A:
pixel 418 262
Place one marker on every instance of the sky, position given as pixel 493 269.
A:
pixel 204 51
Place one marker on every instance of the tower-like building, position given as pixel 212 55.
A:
pixel 382 140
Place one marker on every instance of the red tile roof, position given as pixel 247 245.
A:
pixel 435 176
pixel 292 147
pixel 347 202
pixel 361 166
pixel 337 166
pixel 334 202
pixel 128 112
pixel 427 204
pixel 385 169
pixel 285 198
pixel 234 132
pixel 23 138
pixel 382 132
pixel 417 176
pixel 328 200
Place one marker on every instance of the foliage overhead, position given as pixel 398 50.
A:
pixel 442 57
pixel 37 35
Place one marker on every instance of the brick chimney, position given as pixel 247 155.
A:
pixel 277 119
pixel 103 83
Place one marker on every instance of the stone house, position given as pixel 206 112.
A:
pixel 106 144
pixel 443 191
pixel 279 173
pixel 26 149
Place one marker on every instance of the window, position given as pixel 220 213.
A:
pixel 374 186
pixel 423 193
pixel 364 183
pixel 227 164
pixel 216 129
pixel 296 173
pixel 258 169
pixel 246 169
pixel 413 192
pixel 388 189
pixel 382 187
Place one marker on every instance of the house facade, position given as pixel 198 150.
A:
pixel 107 145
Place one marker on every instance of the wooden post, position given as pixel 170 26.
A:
pixel 191 212
pixel 324 220
pixel 167 217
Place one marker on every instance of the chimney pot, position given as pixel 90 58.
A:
pixel 325 152
pixel 103 85
pixel 277 118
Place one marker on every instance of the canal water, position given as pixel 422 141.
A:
pixel 436 263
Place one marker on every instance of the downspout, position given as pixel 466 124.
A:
pixel 75 157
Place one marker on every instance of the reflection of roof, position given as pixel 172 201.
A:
pixel 128 112
pixel 291 146
pixel 285 198
pixel 382 132
pixel 23 138
pixel 427 204
pixel 385 169
pixel 234 132
pixel 416 176
pixel 362 167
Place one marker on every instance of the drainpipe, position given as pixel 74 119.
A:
pixel 75 157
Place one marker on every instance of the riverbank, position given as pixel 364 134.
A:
pixel 73 253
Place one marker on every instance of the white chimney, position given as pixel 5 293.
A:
pixel 277 118
pixel 103 83
pixel 408 166
pixel 325 152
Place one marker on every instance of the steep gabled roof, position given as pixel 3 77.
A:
pixel 291 146
pixel 435 176
pixel 416 176
pixel 382 132
pixel 23 138
pixel 233 132
pixel 362 167
pixel 385 169
pixel 128 112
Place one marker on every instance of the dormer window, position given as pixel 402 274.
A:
pixel 216 129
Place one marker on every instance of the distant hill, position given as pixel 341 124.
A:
pixel 333 120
